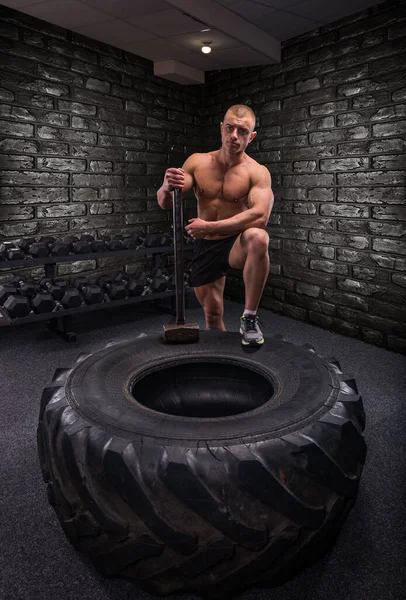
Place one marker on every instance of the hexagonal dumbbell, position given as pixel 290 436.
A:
pixel 87 237
pixel 6 291
pixel 56 247
pixel 91 293
pixel 83 246
pixel 17 306
pixel 169 277
pixel 166 240
pixel 71 298
pixel 99 245
pixel 70 240
pixel 10 251
pixel 42 302
pixel 156 282
pixel 25 287
pixel 151 240
pixel 25 243
pixel 138 239
pixel 13 303
pixel 129 243
pixel 55 288
pixel 115 242
pixel 114 289
pixel 35 249
pixel 135 287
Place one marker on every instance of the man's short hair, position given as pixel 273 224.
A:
pixel 242 110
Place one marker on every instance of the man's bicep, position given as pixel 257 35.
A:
pixel 261 195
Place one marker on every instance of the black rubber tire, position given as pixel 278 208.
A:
pixel 210 505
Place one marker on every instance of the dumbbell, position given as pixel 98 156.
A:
pixel 157 240
pixel 70 240
pixel 15 305
pixel 71 298
pixel 42 302
pixel 129 243
pixel 138 238
pixel 87 237
pixel 156 282
pixel 84 245
pixel 9 251
pixel 152 240
pixel 25 243
pixel 91 293
pixel 34 248
pixel 56 248
pixel 55 288
pixel 77 246
pixel 67 297
pixel 26 288
pixel 168 277
pixel 99 245
pixel 6 291
pixel 115 242
pixel 115 290
pixel 134 286
pixel 47 239
pixel 166 240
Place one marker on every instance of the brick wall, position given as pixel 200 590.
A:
pixel 87 133
pixel 331 130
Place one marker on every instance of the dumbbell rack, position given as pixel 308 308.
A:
pixel 60 321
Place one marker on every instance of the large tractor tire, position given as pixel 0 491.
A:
pixel 204 467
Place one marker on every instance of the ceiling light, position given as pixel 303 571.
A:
pixel 206 48
pixel 203 30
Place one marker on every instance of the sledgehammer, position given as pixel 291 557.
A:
pixel 179 332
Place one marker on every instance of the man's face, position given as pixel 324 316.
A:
pixel 236 133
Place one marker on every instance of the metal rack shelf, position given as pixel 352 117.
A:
pixel 56 314
pixel 47 260
pixel 60 320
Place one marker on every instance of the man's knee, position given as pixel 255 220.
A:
pixel 256 239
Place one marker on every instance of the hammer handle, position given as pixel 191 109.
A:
pixel 178 253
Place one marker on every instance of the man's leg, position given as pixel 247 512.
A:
pixel 250 253
pixel 210 297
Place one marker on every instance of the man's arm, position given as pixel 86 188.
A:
pixel 181 178
pixel 260 202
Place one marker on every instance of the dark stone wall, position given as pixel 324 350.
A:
pixel 331 129
pixel 87 132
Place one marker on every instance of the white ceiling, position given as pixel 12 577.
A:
pixel 242 32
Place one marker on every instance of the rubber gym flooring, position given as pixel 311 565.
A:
pixel 368 561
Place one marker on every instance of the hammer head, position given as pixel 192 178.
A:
pixel 176 333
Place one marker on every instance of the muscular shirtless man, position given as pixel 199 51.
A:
pixel 235 200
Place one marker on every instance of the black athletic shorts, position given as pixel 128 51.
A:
pixel 210 260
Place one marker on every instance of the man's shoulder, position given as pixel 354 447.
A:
pixel 255 166
pixel 198 158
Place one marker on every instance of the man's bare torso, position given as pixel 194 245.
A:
pixel 222 191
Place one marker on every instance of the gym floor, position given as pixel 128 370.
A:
pixel 36 560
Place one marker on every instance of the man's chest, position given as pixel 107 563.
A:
pixel 215 184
